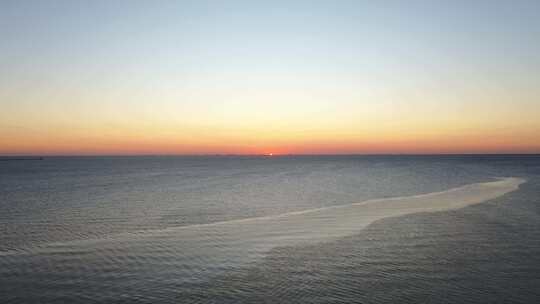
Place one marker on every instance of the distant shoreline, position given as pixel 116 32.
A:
pixel 7 157
pixel 14 158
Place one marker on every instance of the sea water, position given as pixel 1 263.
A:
pixel 289 229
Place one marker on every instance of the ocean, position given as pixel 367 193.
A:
pixel 280 229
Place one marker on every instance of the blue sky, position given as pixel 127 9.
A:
pixel 111 56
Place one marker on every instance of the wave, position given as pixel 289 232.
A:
pixel 197 252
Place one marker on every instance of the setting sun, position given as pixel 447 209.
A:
pixel 206 151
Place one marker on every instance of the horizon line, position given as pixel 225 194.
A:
pixel 266 154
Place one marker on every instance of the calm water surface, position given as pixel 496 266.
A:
pixel 213 230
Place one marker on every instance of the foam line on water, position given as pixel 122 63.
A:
pixel 197 252
pixel 452 199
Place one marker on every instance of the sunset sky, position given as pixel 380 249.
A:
pixel 257 77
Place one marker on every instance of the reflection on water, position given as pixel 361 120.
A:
pixel 309 255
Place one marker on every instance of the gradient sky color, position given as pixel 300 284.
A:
pixel 252 77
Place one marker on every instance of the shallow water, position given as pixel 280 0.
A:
pixel 288 229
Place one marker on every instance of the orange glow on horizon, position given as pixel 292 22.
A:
pixel 323 82
pixel 377 127
pixel 165 146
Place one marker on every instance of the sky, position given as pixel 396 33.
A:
pixel 260 77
